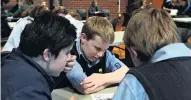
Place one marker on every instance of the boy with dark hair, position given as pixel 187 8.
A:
pixel 14 38
pixel 44 51
pixel 95 67
pixel 164 71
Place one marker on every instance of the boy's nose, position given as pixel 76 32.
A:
pixel 100 54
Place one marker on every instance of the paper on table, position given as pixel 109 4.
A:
pixel 173 12
pixel 12 24
pixel 105 96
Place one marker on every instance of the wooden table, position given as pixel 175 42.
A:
pixel 67 93
pixel 185 20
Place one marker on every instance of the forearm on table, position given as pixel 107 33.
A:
pixel 99 89
pixel 76 84
pixel 76 77
pixel 116 76
pixel 111 78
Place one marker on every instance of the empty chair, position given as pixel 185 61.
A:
pixel 185 34
pixel 114 22
pixel 106 12
pixel 82 13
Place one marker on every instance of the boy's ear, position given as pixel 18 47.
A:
pixel 133 52
pixel 83 37
pixel 134 57
pixel 46 55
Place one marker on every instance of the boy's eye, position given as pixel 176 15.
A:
pixel 68 52
pixel 98 49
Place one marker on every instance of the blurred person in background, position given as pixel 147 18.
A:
pixel 183 6
pixel 94 9
pixel 73 17
pixel 60 11
pixel 28 16
pixel 26 5
pixel 131 6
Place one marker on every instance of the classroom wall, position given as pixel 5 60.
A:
pixel 112 5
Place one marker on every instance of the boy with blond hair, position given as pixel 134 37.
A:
pixel 95 68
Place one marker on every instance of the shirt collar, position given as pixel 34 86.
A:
pixel 171 51
pixel 81 54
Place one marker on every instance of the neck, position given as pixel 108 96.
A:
pixel 41 62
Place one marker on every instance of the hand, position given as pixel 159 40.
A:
pixel 73 98
pixel 123 28
pixel 89 91
pixel 97 12
pixel 70 63
pixel 91 83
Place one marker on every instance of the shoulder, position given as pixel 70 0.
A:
pixel 134 85
pixel 111 57
pixel 17 73
pixel 24 21
pixel 108 53
pixel 33 91
pixel 130 89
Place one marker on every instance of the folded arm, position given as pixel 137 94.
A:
pixel 116 72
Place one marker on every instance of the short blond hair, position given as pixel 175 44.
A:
pixel 99 26
pixel 75 15
pixel 149 30
pixel 60 9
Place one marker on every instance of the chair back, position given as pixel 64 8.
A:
pixel 114 22
pixel 184 34
pixel 82 13
pixel 106 12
